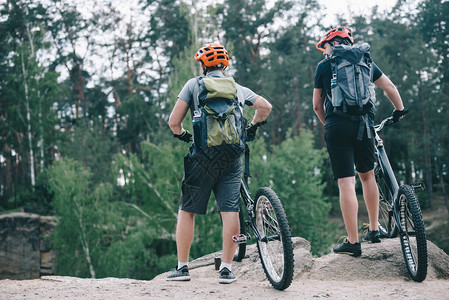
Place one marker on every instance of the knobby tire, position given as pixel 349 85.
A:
pixel 275 248
pixel 413 237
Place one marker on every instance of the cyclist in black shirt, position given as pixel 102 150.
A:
pixel 345 150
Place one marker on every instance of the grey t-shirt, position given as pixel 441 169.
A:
pixel 244 94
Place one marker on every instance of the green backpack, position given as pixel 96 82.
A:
pixel 218 122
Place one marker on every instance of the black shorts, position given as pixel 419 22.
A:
pixel 345 150
pixel 202 176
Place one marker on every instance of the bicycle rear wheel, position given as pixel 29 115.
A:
pixel 275 246
pixel 413 237
pixel 387 225
pixel 241 248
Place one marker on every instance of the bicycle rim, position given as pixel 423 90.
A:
pixel 387 226
pixel 413 237
pixel 275 246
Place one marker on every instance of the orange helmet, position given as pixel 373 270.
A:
pixel 212 55
pixel 343 32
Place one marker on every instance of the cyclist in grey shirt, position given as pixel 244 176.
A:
pixel 219 174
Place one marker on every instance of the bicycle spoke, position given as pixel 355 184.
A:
pixel 273 238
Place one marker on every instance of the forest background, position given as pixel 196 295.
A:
pixel 85 95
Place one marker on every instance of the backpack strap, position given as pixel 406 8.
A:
pixel 334 70
pixel 247 173
pixel 196 99
pixel 239 104
pixel 363 124
pixel 333 62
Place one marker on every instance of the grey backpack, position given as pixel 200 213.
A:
pixel 352 78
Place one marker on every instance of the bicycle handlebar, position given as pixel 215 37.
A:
pixel 385 123
pixel 251 131
pixel 257 125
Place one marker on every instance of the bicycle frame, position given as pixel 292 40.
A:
pixel 387 170
pixel 249 205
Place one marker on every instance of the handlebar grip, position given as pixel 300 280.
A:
pixel 389 121
pixel 260 123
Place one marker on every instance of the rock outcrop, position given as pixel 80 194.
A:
pixel 380 273
pixel 24 250
pixel 382 262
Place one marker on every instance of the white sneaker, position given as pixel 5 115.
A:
pixel 226 276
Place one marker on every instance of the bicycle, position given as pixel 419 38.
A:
pixel 399 211
pixel 265 217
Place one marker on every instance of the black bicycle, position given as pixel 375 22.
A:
pixel 265 217
pixel 399 211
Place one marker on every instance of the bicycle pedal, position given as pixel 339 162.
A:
pixel 239 238
pixel 418 186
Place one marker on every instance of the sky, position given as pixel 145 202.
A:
pixel 129 8
pixel 332 7
pixel 348 7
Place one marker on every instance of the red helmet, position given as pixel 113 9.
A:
pixel 212 55
pixel 343 32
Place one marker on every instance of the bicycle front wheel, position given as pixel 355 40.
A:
pixel 413 235
pixel 275 244
pixel 387 225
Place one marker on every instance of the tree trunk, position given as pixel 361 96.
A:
pixel 443 187
pixel 83 237
pixel 297 122
pixel 427 156
pixel 79 84
pixel 446 200
pixel 28 120
pixel 41 139
pixel 127 48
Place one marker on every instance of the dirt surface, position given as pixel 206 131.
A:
pixel 380 273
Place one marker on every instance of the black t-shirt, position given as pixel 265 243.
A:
pixel 323 75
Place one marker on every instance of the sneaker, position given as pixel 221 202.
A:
pixel 347 248
pixel 179 274
pixel 372 236
pixel 226 276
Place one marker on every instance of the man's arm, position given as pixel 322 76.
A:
pixel 263 110
pixel 391 91
pixel 177 115
pixel 318 104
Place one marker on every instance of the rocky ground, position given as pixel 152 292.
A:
pixel 380 273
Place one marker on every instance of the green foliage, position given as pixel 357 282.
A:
pixel 99 235
pixel 27 89
pixel 90 145
pixel 141 255
pixel 138 122
pixel 155 185
pixel 116 174
pixel 294 170
pixel 76 234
